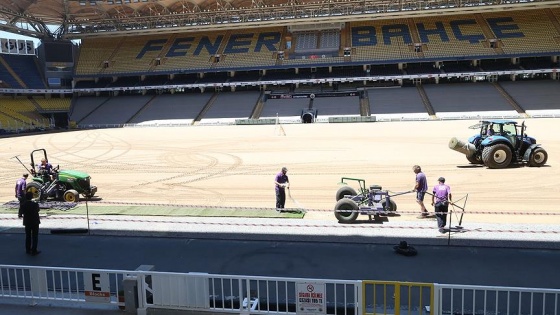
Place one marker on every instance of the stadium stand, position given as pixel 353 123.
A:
pixel 337 106
pixel 52 104
pixel 534 95
pixel 369 45
pixel 166 107
pixel 377 42
pixel 7 74
pixel 475 97
pixel 396 101
pixel 535 33
pixel 452 37
pixel 250 47
pixel 116 111
pixel 233 105
pixel 126 59
pixel 284 107
pixel 25 68
pixel 188 52
pixel 441 37
pixel 84 105
pixel 154 70
pixel 94 53
pixel 22 111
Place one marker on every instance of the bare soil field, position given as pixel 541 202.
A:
pixel 234 166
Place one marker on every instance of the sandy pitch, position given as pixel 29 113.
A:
pixel 235 165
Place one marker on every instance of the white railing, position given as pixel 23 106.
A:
pixel 486 300
pixel 244 294
pixel 265 295
pixel 61 284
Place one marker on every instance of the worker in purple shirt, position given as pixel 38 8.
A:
pixel 420 188
pixel 21 187
pixel 440 200
pixel 281 182
pixel 46 169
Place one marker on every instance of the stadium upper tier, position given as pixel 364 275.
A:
pixel 454 37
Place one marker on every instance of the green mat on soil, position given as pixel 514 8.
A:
pixel 169 211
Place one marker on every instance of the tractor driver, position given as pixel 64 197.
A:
pixel 490 131
pixel 45 168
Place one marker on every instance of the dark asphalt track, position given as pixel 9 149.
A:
pixel 440 264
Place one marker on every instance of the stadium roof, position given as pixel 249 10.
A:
pixel 82 18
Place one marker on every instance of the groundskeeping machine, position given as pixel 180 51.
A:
pixel 372 201
pixel 60 185
pixel 499 144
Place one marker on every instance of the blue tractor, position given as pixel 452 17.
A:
pixel 499 144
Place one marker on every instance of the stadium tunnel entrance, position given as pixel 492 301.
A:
pixel 308 115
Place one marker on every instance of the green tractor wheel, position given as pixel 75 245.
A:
pixel 346 210
pixel 71 196
pixel 345 191
pixel 35 188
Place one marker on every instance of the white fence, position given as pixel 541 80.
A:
pixel 463 299
pixel 266 295
pixel 61 284
pixel 245 294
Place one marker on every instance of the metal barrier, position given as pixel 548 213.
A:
pixel 62 284
pixel 267 295
pixel 467 299
pixel 243 294
pixel 392 297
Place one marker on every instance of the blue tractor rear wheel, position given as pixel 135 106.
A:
pixel 497 156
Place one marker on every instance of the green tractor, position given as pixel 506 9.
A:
pixel 55 184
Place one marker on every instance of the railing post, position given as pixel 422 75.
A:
pixel 358 291
pixel 434 308
pixel 135 291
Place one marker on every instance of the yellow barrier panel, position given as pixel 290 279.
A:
pixel 398 298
